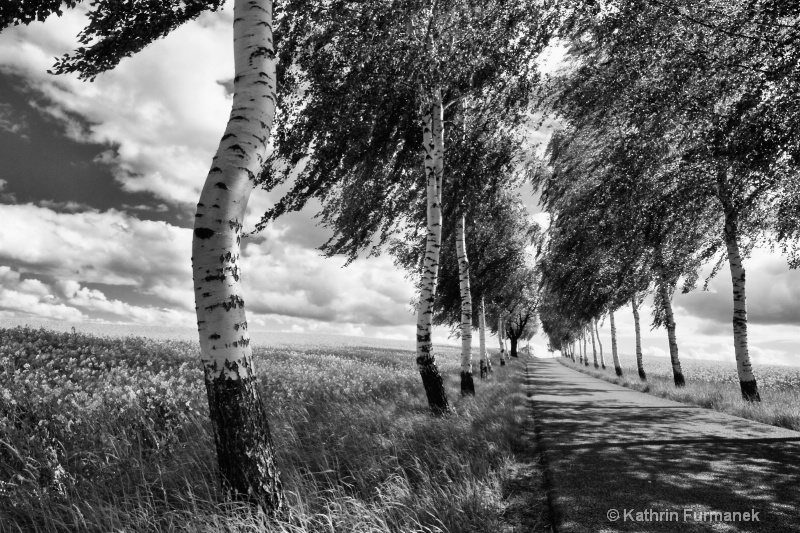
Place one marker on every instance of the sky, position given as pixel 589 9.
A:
pixel 99 182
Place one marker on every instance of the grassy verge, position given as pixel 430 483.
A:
pixel 106 434
pixel 780 406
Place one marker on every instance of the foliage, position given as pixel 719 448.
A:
pixel 116 29
pixel 353 84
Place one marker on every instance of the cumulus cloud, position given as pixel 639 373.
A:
pixel 296 282
pixel 773 294
pixel 153 258
pixel 100 247
pixel 161 112
pixel 31 297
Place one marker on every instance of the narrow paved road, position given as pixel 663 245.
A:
pixel 611 453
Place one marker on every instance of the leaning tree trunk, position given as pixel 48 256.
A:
pixel 639 364
pixel 585 349
pixel 600 345
pixel 433 143
pixel 594 347
pixel 486 363
pixel 500 329
pixel 467 383
pixel 747 380
pixel 614 355
pixel 677 373
pixel 245 452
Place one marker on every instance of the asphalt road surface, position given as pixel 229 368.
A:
pixel 620 460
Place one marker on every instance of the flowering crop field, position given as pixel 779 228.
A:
pixel 105 433
pixel 770 376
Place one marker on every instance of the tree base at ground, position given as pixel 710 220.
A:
pixel 434 388
pixel 467 384
pixel 679 379
pixel 245 451
pixel 750 391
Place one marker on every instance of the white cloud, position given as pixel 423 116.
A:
pixel 99 247
pixel 31 297
pixel 162 112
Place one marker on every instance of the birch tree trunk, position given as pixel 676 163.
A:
pixel 467 383
pixel 433 143
pixel 585 349
pixel 614 355
pixel 245 452
pixel 637 329
pixel 747 380
pixel 500 330
pixel 600 345
pixel 677 373
pixel 486 363
pixel 594 347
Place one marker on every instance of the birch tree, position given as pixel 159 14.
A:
pixel 245 453
pixel 376 81
pixel 714 79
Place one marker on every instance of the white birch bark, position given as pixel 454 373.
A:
pixel 594 347
pixel 600 346
pixel 747 380
pixel 585 349
pixel 638 331
pixel 241 433
pixel 614 355
pixel 433 143
pixel 486 363
pixel 467 385
pixel 677 373
pixel 500 329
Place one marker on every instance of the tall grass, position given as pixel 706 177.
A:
pixel 780 405
pixel 103 434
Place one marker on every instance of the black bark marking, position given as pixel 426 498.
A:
pixel 220 185
pixel 228 136
pixel 237 148
pixel 215 169
pixel 214 336
pixel 204 233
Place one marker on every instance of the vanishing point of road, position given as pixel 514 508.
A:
pixel 620 460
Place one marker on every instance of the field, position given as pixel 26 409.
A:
pixel 712 384
pixel 109 434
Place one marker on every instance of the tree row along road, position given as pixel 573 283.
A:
pixel 611 453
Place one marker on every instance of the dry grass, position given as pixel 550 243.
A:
pixel 715 389
pixel 103 434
